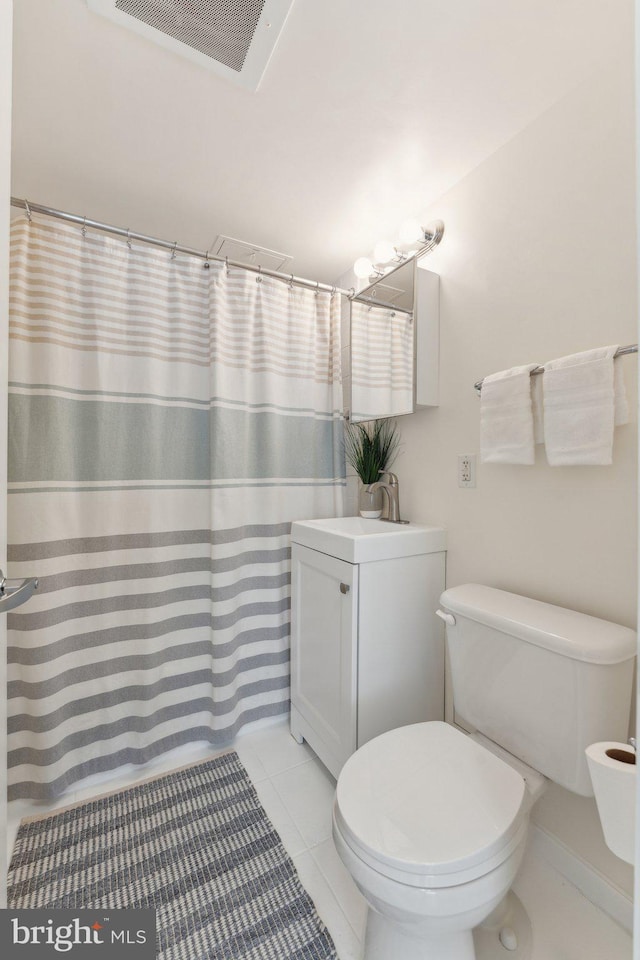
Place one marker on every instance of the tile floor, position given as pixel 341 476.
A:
pixel 297 793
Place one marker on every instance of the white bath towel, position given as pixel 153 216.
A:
pixel 538 407
pixel 583 399
pixel 506 417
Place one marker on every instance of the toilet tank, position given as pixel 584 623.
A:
pixel 541 681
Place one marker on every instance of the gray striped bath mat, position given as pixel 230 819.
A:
pixel 195 844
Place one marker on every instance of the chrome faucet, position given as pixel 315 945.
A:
pixel 391 489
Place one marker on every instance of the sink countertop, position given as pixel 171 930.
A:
pixel 358 540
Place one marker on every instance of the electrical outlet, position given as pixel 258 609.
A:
pixel 467 470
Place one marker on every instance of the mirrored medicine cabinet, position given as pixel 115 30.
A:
pixel 394 344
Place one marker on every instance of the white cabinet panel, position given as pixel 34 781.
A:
pixel 324 593
pixel 367 650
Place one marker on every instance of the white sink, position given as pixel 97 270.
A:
pixel 357 540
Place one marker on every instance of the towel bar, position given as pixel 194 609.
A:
pixel 620 352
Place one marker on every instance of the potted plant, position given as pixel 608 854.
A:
pixel 371 448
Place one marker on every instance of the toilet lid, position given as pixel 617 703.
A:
pixel 427 799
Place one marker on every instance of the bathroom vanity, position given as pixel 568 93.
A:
pixel 367 650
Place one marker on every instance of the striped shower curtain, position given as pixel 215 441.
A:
pixel 167 423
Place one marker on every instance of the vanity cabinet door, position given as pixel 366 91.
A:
pixel 324 594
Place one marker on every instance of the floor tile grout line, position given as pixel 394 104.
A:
pixel 308 844
pixel 294 766
pixel 337 902
pixel 333 899
pixel 305 847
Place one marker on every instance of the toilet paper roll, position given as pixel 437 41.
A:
pixel 613 774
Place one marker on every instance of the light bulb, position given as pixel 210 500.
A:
pixel 411 231
pixel 384 251
pixel 363 268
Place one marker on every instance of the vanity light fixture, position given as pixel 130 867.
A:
pixel 364 268
pixel 411 231
pixel 384 251
pixel 413 235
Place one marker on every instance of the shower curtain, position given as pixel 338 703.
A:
pixel 167 423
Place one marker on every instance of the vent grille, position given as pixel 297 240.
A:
pixel 250 253
pixel 232 38
pixel 386 292
pixel 220 29
pixel 397 296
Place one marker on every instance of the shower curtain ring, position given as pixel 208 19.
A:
pixel 259 277
pixel 291 283
pixel 333 292
pixel 173 250
pixel 226 265
pixel 84 227
pixel 206 264
pixel 28 209
pixel 129 238
pixel 317 287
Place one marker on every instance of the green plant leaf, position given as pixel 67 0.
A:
pixel 371 447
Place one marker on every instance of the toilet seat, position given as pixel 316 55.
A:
pixel 427 806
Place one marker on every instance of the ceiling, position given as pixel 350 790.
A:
pixel 367 113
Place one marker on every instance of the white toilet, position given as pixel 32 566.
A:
pixel 432 822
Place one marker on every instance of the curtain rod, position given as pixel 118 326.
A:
pixel 85 222
pixel 620 352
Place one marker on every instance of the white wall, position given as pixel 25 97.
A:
pixel 5 156
pixel 538 261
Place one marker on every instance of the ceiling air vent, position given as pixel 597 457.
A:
pixel 233 38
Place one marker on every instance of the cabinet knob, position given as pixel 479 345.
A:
pixel 344 588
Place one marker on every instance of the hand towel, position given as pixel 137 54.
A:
pixel 506 417
pixel 580 408
pixel 538 407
